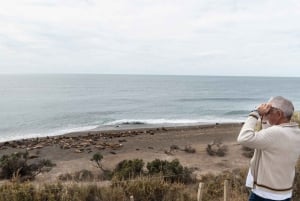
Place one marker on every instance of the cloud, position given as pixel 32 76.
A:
pixel 148 36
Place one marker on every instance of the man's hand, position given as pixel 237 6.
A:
pixel 264 108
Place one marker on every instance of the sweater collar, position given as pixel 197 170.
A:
pixel 290 124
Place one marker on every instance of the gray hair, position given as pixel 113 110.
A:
pixel 284 105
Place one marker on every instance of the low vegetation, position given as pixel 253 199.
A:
pixel 189 149
pixel 156 180
pixel 247 152
pixel 296 117
pixel 171 171
pixel 128 169
pixel 21 167
pixel 79 176
pixel 149 188
pixel 216 148
pixel 143 189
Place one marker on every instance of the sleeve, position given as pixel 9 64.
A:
pixel 249 138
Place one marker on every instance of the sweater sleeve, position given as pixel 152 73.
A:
pixel 248 137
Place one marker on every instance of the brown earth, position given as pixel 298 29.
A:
pixel 72 152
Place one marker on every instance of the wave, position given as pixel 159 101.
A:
pixel 18 136
pixel 168 121
pixel 71 130
pixel 150 121
pixel 237 112
pixel 216 99
pixel 122 122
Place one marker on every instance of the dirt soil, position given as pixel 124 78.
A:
pixel 72 152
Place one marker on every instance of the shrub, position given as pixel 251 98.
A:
pixel 214 185
pixel 128 169
pixel 84 175
pixel 142 189
pixel 154 189
pixel 296 189
pixel 296 117
pixel 247 152
pixel 189 149
pixel 171 171
pixel 16 192
pixel 13 164
pixel 216 148
pixel 65 177
pixel 16 166
pixel 97 157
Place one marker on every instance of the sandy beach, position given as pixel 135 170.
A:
pixel 72 152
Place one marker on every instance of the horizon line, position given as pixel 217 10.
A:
pixel 140 74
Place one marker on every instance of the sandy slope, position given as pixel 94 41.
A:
pixel 146 144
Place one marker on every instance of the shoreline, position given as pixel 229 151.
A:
pixel 72 152
pixel 125 127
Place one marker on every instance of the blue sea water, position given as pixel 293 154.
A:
pixel 42 105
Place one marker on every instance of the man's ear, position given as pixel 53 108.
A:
pixel 281 115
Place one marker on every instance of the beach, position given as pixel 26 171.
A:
pixel 72 152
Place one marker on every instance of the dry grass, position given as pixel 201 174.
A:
pixel 296 117
pixel 142 188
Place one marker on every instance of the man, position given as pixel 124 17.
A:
pixel 277 148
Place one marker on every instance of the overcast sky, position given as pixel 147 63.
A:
pixel 194 37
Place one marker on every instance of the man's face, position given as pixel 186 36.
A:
pixel 273 116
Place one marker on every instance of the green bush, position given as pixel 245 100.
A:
pixel 171 171
pixel 128 169
pixel 13 164
pixel 17 166
pixel 97 157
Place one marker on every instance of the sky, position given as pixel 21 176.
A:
pixel 176 37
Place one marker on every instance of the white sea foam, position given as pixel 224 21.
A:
pixel 58 104
pixel 170 121
pixel 18 136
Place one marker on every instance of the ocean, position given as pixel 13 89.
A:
pixel 47 105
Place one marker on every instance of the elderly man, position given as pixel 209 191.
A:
pixel 277 148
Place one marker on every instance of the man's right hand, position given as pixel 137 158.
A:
pixel 264 109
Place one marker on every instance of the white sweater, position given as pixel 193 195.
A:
pixel 277 150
